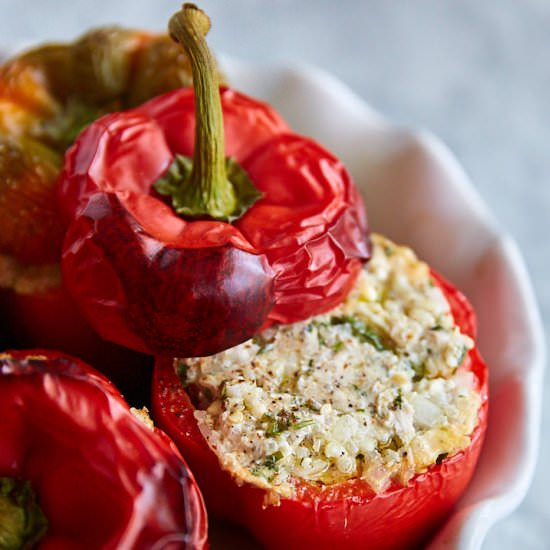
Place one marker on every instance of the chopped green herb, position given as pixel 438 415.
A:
pixel 279 424
pixel 262 471
pixel 181 371
pixel 276 427
pixel 266 417
pixel 360 330
pixel 388 250
pixel 355 387
pixel 398 401
pixel 420 372
pixel 303 424
pixel 338 346
pixel 437 327
pixel 320 325
pixel 271 460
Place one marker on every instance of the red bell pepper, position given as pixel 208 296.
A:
pixel 346 515
pixel 194 285
pixel 79 470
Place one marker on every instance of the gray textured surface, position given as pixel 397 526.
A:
pixel 475 73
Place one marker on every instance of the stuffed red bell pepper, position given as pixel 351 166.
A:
pixel 79 470
pixel 359 428
pixel 177 255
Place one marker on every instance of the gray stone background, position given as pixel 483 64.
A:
pixel 476 73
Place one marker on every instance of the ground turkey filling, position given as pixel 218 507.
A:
pixel 373 389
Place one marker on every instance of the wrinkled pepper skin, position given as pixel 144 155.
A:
pixel 102 478
pixel 295 253
pixel 346 515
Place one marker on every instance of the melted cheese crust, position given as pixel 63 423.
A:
pixel 373 389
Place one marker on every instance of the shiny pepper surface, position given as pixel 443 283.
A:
pixel 101 477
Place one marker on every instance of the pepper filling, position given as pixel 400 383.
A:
pixel 373 389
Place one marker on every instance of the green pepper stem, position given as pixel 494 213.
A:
pixel 208 175
pixel 22 522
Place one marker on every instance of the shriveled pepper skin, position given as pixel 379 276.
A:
pixel 295 253
pixel 346 515
pixel 102 478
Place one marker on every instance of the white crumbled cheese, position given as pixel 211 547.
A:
pixel 372 389
pixel 143 416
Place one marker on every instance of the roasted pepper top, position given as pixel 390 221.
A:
pixel 295 245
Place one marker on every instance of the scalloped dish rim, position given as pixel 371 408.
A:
pixel 287 87
pixel 371 141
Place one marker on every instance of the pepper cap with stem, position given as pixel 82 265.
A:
pixel 208 186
